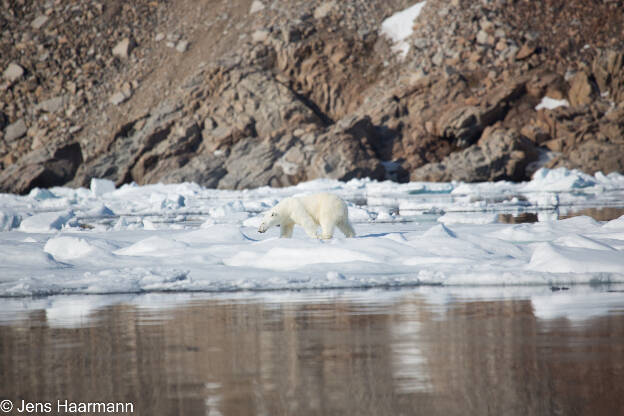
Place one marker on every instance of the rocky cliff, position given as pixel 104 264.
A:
pixel 236 94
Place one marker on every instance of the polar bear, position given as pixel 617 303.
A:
pixel 309 211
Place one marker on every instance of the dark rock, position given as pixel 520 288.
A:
pixel 346 151
pixel 170 154
pixel 462 125
pixel 502 155
pixel 3 120
pixel 42 168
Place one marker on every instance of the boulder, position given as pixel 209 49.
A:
pixel 346 151
pixel 582 90
pixel 123 48
pixel 462 125
pixel 503 154
pixel 52 105
pixel 42 168
pixel 592 156
pixel 251 164
pixel 13 72
pixel 608 71
pixel 15 130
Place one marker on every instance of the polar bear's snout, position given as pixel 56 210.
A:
pixel 270 219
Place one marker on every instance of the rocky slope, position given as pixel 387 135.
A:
pixel 236 94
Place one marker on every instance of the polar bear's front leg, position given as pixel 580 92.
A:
pixel 286 229
pixel 327 229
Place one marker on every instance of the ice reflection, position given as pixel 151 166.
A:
pixel 434 351
pixel 409 365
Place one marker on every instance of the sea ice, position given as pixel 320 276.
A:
pixel 183 237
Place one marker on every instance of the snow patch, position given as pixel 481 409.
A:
pixel 548 103
pixel 400 26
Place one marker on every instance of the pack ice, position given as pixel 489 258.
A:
pixel 184 237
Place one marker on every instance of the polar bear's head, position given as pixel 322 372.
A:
pixel 271 218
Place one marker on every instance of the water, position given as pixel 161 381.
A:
pixel 423 351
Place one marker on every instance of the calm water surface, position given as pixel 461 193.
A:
pixel 423 351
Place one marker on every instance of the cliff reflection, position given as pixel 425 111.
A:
pixel 213 357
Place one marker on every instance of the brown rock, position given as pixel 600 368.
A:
pixel 582 90
pixel 525 51
pixel 608 70
pixel 536 134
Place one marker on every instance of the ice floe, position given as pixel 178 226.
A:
pixel 137 239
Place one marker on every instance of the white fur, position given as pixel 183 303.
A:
pixel 309 211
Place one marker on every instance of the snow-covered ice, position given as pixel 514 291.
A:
pixel 183 237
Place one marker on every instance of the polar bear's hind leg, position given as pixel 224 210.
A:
pixel 346 228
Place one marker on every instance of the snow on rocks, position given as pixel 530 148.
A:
pixel 548 103
pixel 399 27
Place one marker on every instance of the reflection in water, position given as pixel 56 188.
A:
pixel 598 213
pixel 216 357
pixel 522 218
